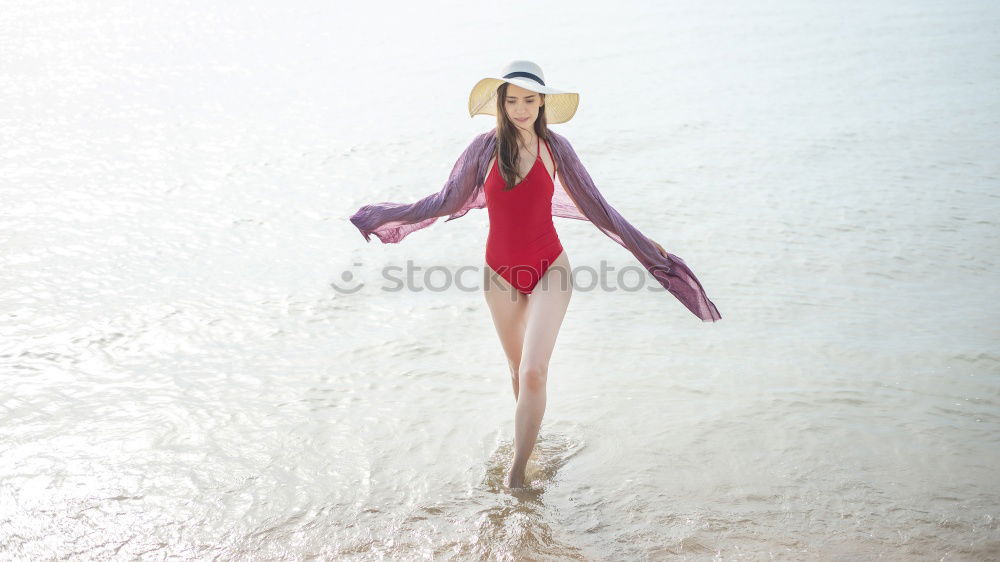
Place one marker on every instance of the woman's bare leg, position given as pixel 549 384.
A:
pixel 509 308
pixel 547 306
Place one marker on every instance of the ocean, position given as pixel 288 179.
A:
pixel 202 358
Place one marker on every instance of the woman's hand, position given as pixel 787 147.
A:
pixel 658 247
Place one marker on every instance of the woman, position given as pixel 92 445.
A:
pixel 511 170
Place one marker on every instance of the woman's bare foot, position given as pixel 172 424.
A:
pixel 515 480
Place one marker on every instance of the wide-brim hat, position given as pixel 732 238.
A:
pixel 560 105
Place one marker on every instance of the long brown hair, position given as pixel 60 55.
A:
pixel 507 152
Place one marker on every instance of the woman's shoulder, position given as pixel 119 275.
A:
pixel 483 141
pixel 487 135
pixel 561 146
pixel 480 146
pixel 556 136
pixel 559 143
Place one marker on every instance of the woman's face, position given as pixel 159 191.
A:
pixel 522 106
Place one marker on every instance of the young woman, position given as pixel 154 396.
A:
pixel 512 171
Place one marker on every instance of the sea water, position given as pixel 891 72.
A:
pixel 201 358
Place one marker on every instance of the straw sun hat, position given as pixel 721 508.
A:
pixel 559 105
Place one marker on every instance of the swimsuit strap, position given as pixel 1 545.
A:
pixel 538 156
pixel 553 159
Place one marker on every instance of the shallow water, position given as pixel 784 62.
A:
pixel 183 381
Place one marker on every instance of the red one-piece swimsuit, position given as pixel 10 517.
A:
pixel 522 241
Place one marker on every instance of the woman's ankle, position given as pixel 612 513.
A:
pixel 515 479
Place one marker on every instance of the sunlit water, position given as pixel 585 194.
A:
pixel 182 380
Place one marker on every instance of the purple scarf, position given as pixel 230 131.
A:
pixel 579 199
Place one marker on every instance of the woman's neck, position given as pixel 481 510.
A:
pixel 527 138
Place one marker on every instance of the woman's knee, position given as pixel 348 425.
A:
pixel 514 371
pixel 532 376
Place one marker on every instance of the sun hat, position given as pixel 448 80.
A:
pixel 559 105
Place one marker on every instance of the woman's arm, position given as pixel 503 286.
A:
pixel 391 222
pixel 668 269
pixel 563 203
